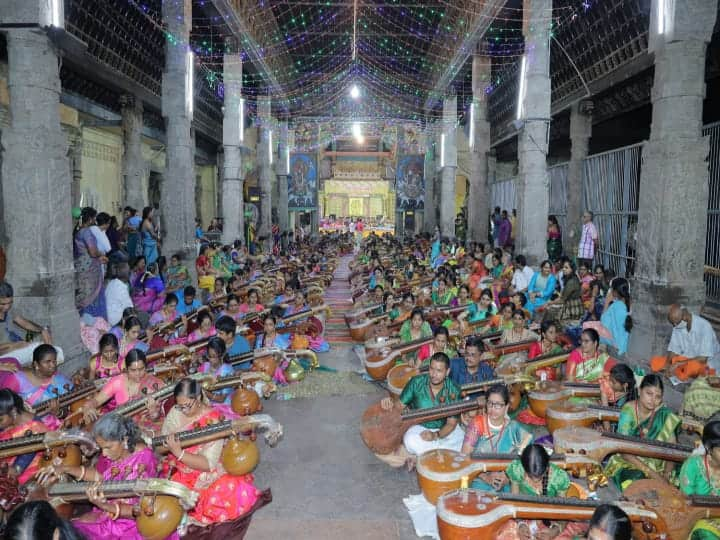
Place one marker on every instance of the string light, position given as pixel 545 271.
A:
pixel 521 88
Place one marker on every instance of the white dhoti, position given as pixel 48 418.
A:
pixel 416 445
pixel 24 355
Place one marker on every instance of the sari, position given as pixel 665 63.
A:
pixel 89 285
pixel 512 438
pixel 29 469
pixel 406 337
pixel 223 496
pixel 695 480
pixel 590 369
pixel 102 372
pixel 558 482
pixel 178 278
pixel 147 293
pixel 224 370
pixel 116 388
pixel 543 287
pixel 660 426
pixel 127 346
pixel 554 244
pixel 19 383
pixel 139 464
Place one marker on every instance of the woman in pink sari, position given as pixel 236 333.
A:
pixel 124 457
pixel 16 422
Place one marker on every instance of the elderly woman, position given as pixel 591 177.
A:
pixel 124 457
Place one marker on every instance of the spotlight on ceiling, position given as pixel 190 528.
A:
pixel 354 91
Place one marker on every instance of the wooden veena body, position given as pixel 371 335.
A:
pixel 163 502
pixel 382 431
pixel 564 415
pixel 378 364
pixel 680 513
pixel 65 444
pixel 470 514
pixel 440 471
pixel 529 368
pixel 547 393
pixel 597 445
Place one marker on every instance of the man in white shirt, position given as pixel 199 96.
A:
pixel 694 339
pixel 117 292
pixel 522 275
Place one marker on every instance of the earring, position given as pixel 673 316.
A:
pixel 125 444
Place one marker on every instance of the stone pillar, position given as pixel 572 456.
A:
pixel 177 201
pixel 37 192
pixel 533 139
pixel 479 193
pixel 282 170
pixel 266 173
pixel 134 167
pixel 75 150
pixel 232 184
pixel 429 218
pixel 671 232
pixel 580 132
pixel 448 163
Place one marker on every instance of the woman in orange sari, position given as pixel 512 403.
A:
pixel 16 422
pixel 223 496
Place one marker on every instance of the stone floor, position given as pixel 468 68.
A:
pixel 326 484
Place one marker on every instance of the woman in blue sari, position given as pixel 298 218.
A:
pixel 90 283
pixel 149 236
pixel 541 288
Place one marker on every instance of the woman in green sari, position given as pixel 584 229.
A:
pixel 416 327
pixel 178 276
pixel 648 418
pixel 700 475
pixel 442 295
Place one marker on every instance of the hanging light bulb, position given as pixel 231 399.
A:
pixel 354 91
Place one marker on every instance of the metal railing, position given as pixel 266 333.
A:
pixel 558 193
pixel 712 246
pixel 611 186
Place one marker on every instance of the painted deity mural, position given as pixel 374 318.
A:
pixel 410 183
pixel 302 182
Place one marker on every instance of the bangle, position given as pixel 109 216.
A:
pixel 117 512
pixel 182 454
pixel 81 477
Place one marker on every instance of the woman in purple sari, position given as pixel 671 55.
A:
pixel 124 457
pixel 89 261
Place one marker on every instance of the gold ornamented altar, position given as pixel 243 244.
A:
pixel 357 189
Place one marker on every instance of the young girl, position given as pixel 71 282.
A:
pixel 216 366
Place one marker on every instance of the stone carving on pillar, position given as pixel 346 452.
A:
pixel 448 163
pixel 178 189
pixel 37 192
pixel 479 192
pixel 533 138
pixel 75 148
pixel 580 131
pixel 673 197
pixel 232 184
pixel 134 168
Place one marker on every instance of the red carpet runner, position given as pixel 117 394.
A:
pixel 337 296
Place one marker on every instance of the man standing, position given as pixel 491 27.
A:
pixel 588 240
pixel 505 231
pixel 495 219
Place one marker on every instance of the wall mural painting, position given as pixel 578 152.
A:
pixel 302 182
pixel 410 183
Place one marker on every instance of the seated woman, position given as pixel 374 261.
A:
pixel 462 298
pixel 16 422
pixel 541 287
pixel 413 329
pixel 700 475
pixel 646 417
pixel 548 344
pixel 533 474
pixel 130 337
pixel 252 303
pixel 124 457
pixel 568 305
pixel 586 278
pixel 616 315
pixel 502 275
pixel 503 320
pixel 516 334
pixel 199 467
pixel 494 432
pixel 270 338
pixel 402 311
pixel 133 383
pixel 314 333
pixel 178 276
pixel 148 290
pixel 205 271
pixel 167 314
pixel 220 289
pixel 587 363
pixel 41 381
pixel 440 343
pixel 215 365
pixel 442 295
pixel 481 310
pixel 107 363
pixel 609 522
pixel 38 519
pixel 205 329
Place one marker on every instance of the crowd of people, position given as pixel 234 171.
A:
pixel 465 309
pixel 158 338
